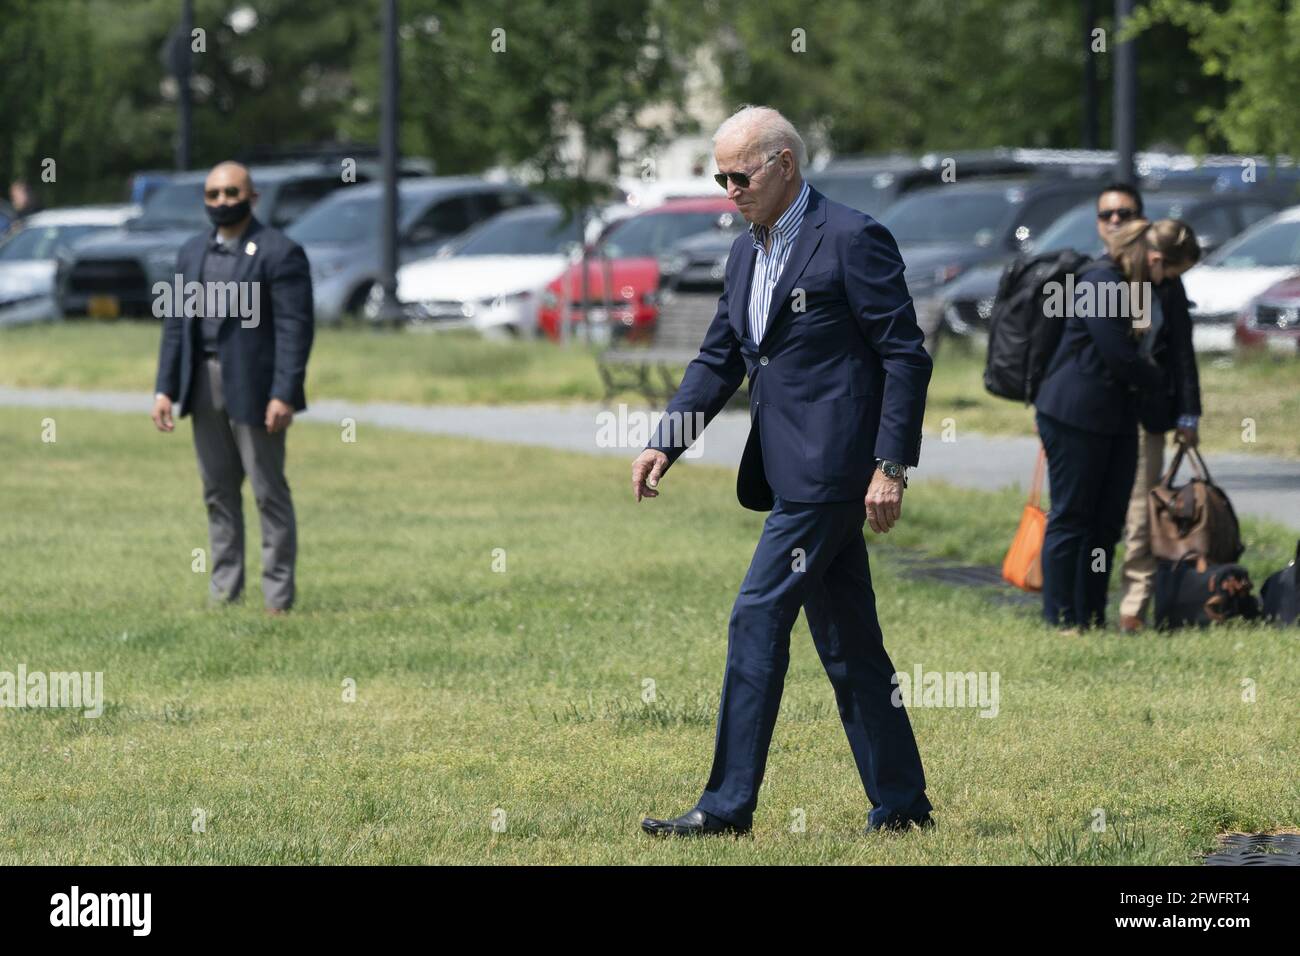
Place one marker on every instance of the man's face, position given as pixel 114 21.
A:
pixel 18 195
pixel 761 201
pixel 226 185
pixel 1113 210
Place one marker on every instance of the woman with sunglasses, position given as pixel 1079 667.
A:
pixel 1087 415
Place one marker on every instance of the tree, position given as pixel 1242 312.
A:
pixel 1254 46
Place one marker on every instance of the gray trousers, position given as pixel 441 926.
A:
pixel 227 450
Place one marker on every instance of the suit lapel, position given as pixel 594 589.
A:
pixel 805 244
pixel 244 261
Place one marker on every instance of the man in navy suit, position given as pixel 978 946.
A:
pixel 815 310
pixel 236 356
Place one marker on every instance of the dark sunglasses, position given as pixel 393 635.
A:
pixel 1124 214
pixel 742 179
pixel 231 192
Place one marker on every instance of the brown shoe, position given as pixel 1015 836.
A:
pixel 277 611
pixel 1128 623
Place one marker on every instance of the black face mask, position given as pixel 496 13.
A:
pixel 228 215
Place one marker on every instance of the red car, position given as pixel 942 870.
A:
pixel 1272 319
pixel 629 268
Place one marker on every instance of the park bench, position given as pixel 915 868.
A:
pixel 655 368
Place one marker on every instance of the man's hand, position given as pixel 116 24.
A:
pixel 162 414
pixel 648 468
pixel 279 416
pixel 884 502
pixel 1186 436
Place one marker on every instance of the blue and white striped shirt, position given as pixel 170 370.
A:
pixel 768 266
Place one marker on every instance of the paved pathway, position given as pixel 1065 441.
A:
pixel 1259 485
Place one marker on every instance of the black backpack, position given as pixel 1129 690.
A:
pixel 1280 596
pixel 1022 337
pixel 1191 590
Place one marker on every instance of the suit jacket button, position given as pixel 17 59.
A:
pixel 762 360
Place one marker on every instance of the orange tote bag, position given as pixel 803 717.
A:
pixel 1023 565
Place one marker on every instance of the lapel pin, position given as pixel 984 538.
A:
pixel 250 249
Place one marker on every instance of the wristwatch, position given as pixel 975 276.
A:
pixel 892 469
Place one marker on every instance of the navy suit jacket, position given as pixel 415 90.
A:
pixel 1159 410
pixel 840 376
pixel 259 362
pixel 1096 376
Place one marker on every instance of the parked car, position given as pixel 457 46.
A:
pixel 1220 287
pixel 29 256
pixel 696 263
pixel 144 183
pixel 623 268
pixel 1272 319
pixel 493 277
pixel 113 275
pixel 967 303
pixel 644 194
pixel 945 231
pixel 341 236
pixel 871 184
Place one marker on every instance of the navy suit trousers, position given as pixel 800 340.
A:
pixel 1091 479
pixel 812 556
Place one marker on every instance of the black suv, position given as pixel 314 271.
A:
pixel 112 275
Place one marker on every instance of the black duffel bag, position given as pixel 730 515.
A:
pixel 1191 590
pixel 1280 596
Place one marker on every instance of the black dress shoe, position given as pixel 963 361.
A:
pixel 900 823
pixel 695 822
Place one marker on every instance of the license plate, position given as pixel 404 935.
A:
pixel 597 315
pixel 103 307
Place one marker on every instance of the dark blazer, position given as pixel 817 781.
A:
pixel 1096 375
pixel 259 362
pixel 832 387
pixel 1159 409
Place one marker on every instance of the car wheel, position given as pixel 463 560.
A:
pixel 359 299
pixel 372 308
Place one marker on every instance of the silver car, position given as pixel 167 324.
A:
pixel 341 233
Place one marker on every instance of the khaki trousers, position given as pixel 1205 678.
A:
pixel 1139 572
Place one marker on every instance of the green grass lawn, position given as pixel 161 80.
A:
pixel 519 693
pixel 364 365
pixel 354 363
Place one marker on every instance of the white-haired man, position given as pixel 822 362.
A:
pixel 815 310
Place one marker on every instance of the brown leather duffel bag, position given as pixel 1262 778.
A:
pixel 1196 516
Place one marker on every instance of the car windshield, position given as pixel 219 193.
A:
pixel 351 219
pixel 648 235
pixel 973 218
pixel 43 242
pixel 863 191
pixel 1274 245
pixel 530 235
pixel 176 204
pixel 1077 229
